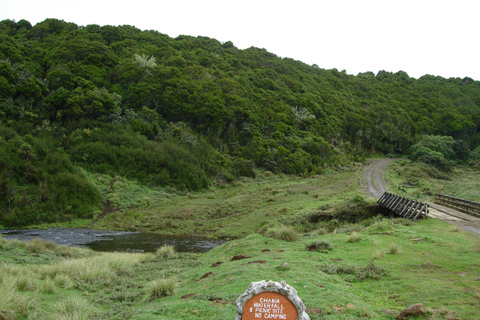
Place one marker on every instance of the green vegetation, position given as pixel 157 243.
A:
pixel 354 280
pixel 418 180
pixel 264 204
pixel 79 104
pixel 165 252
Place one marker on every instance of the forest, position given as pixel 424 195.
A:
pixel 189 113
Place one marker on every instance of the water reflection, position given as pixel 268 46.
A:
pixel 100 240
pixel 149 242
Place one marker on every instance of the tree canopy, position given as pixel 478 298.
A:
pixel 188 112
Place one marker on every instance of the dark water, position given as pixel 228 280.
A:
pixel 115 240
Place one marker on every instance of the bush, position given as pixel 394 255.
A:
pixel 319 245
pixel 370 271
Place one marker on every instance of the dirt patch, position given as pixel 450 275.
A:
pixel 206 275
pixel 216 264
pixel 239 257
pixel 217 302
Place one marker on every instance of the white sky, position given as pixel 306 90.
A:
pixel 436 37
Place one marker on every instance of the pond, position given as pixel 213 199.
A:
pixel 100 240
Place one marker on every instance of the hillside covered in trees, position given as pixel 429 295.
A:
pixel 191 112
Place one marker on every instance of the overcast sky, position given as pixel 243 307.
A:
pixel 420 37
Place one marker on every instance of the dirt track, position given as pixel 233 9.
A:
pixel 375 183
pixel 374 177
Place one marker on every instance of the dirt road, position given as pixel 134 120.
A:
pixel 374 181
pixel 374 177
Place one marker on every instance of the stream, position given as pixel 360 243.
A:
pixel 100 240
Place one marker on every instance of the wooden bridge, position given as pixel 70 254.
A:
pixel 467 206
pixel 404 207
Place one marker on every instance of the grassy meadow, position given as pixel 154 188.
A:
pixel 289 229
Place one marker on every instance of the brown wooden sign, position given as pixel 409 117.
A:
pixel 269 305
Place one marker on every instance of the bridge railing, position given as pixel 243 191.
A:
pixel 404 207
pixel 463 205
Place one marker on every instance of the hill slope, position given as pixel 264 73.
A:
pixel 190 112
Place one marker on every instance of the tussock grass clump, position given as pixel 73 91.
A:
pixel 377 255
pixel 354 237
pixel 380 227
pixel 25 282
pixel 394 248
pixel 39 245
pixel 283 233
pixel 319 245
pixel 102 267
pixel 73 308
pixel 10 244
pixel 370 271
pixel 13 304
pixel 165 252
pixel 47 286
pixel 63 281
pixel 14 270
pixel 161 288
pixel 320 231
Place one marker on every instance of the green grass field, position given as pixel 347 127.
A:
pixel 352 270
pixel 428 262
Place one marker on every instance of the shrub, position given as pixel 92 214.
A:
pixel 370 271
pixel 165 252
pixel 161 288
pixel 283 233
pixel 319 245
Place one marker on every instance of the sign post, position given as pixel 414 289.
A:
pixel 270 300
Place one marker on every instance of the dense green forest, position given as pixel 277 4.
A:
pixel 192 112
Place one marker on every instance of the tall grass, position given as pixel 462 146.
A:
pixel 38 245
pixel 394 248
pixel 165 252
pixel 73 308
pixel 13 304
pixel 102 267
pixel 283 233
pixel 354 237
pixel 161 288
